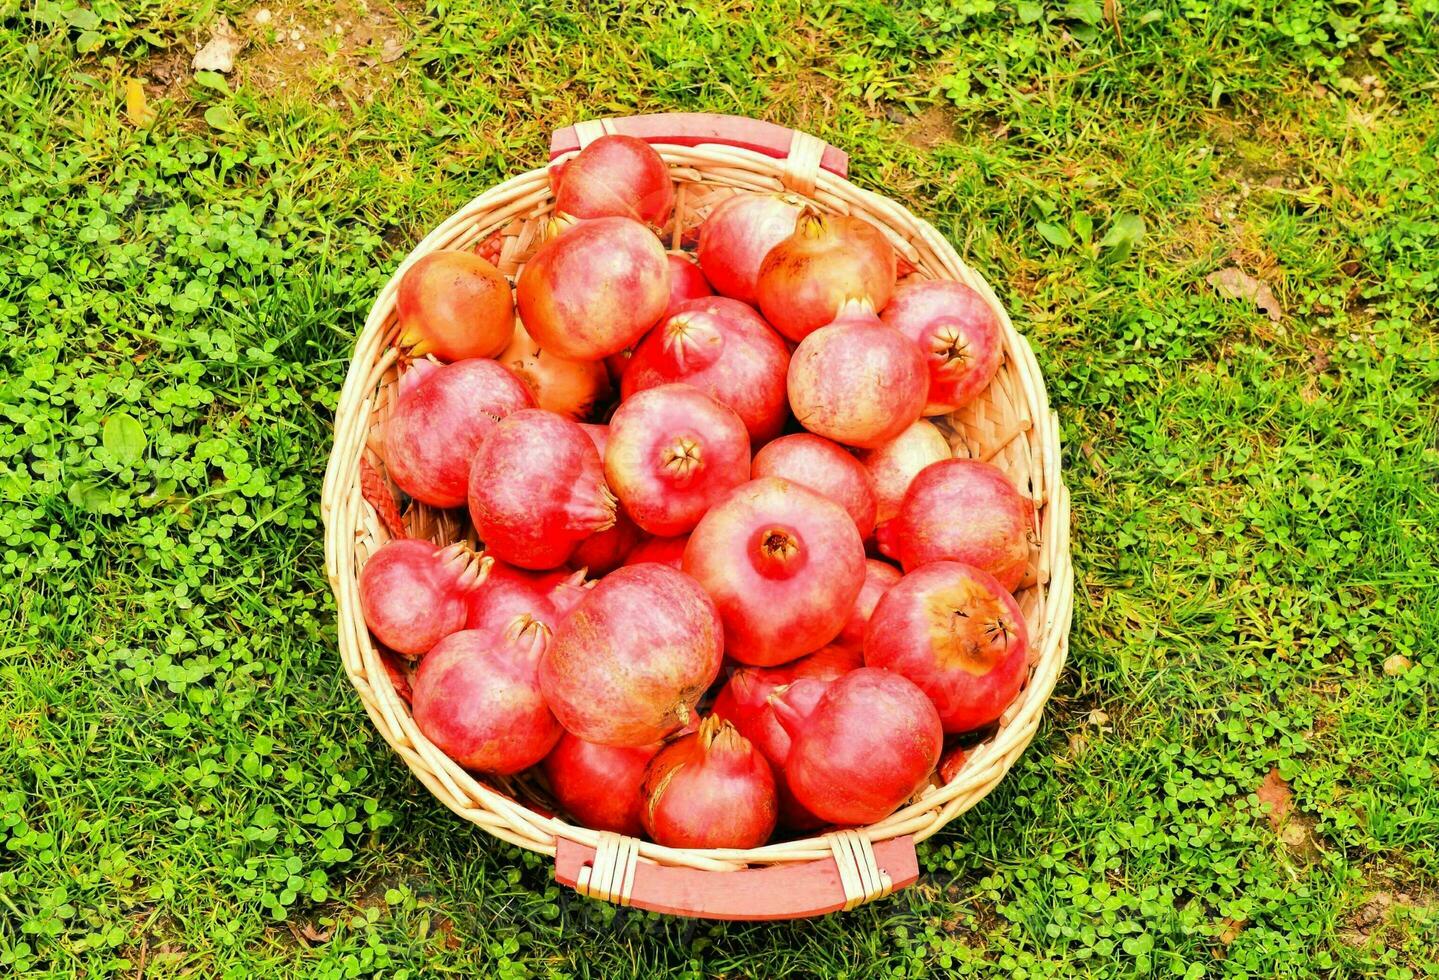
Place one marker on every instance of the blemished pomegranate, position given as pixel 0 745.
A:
pixel 616 176
pixel 537 489
pixel 666 551
pixel 439 423
pixel 557 384
pixel 454 305
pixel 857 381
pixel 959 635
pixel 477 698
pixel 507 592
pixel 879 578
pixel 783 565
pixel 958 333
pixel 830 261
pixel 893 465
pixel 824 467
pixel 710 788
pixel 631 660
pixel 962 510
pixel 687 282
pixel 594 289
pixel 600 784
pixel 723 348
pixel 738 234
pixel 673 451
pixel 414 593
pixel 872 739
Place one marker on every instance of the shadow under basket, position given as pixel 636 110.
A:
pixel 1011 425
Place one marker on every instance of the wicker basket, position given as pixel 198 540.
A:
pixel 710 157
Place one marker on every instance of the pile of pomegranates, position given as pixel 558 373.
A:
pixel 730 582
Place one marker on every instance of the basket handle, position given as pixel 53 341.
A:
pixel 804 155
pixel 855 873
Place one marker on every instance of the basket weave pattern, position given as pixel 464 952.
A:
pixel 1010 425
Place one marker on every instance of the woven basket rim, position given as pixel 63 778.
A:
pixel 351 524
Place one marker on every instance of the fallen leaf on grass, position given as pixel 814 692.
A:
pixel 1276 792
pixel 392 50
pixel 1396 664
pixel 137 107
pixel 1230 930
pixel 219 52
pixel 1237 284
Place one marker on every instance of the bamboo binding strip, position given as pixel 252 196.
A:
pixel 1011 426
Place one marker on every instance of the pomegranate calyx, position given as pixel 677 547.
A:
pixel 682 458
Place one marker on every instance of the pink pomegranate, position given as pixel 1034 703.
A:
pixel 537 490
pixel 594 289
pixel 600 784
pixel 723 348
pixel 737 236
pixel 630 662
pixel 879 578
pixel 962 510
pixel 958 333
pixel 666 551
pixel 454 305
pixel 439 422
pixel 616 176
pixel 400 671
pixel 783 565
pixel 687 282
pixel 507 592
pixel 477 698
pixel 959 635
pixel 673 451
pixel 828 263
pixel 870 742
pixel 893 465
pixel 824 467
pixel 414 594
pixel 565 387
pixel 856 381
pixel 607 550
pixel 709 789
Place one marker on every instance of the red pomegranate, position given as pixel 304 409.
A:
pixel 709 789
pixel 673 451
pixel 439 423
pixel 565 387
pixel 959 635
pixel 666 551
pixel 507 592
pixel 476 697
pixel 630 662
pixel 872 739
pixel 783 565
pixel 824 467
pixel 893 465
pixel 537 489
pixel 962 510
pixel 959 334
pixel 400 671
pixel 829 262
pixel 687 282
pixel 600 784
pixel 454 305
pixel 414 594
pixel 723 348
pixel 615 176
pixel 606 550
pixel 737 236
pixel 594 289
pixel 856 381
pixel 879 578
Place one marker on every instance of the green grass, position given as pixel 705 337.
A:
pixel 190 787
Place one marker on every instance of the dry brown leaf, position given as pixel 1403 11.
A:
pixel 137 107
pixel 1276 792
pixel 1231 930
pixel 219 52
pixel 1396 664
pixel 392 50
pixel 1238 284
pixel 318 935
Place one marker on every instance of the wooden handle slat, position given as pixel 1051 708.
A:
pixel 782 891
